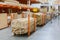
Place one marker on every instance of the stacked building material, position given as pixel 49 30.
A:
pixel 3 20
pixel 20 26
pixel 41 18
pixel 48 16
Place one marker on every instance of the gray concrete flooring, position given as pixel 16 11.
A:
pixel 51 31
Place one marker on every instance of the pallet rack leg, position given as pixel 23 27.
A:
pixel 34 22
pixel 28 25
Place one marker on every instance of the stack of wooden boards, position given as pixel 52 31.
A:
pixel 20 26
pixel 41 18
pixel 3 20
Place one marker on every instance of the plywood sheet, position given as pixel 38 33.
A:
pixel 3 20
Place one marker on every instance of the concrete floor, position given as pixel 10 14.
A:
pixel 51 31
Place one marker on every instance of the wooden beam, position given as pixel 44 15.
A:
pixel 28 25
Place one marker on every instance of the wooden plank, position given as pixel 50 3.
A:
pixel 28 25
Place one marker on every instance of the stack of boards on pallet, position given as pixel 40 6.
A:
pixel 3 20
pixel 41 18
pixel 50 16
pixel 20 25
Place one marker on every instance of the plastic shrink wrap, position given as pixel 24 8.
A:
pixel 20 26
pixel 41 18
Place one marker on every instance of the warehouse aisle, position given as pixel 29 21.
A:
pixel 51 31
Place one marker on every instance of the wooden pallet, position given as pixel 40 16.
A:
pixel 41 25
pixel 3 27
